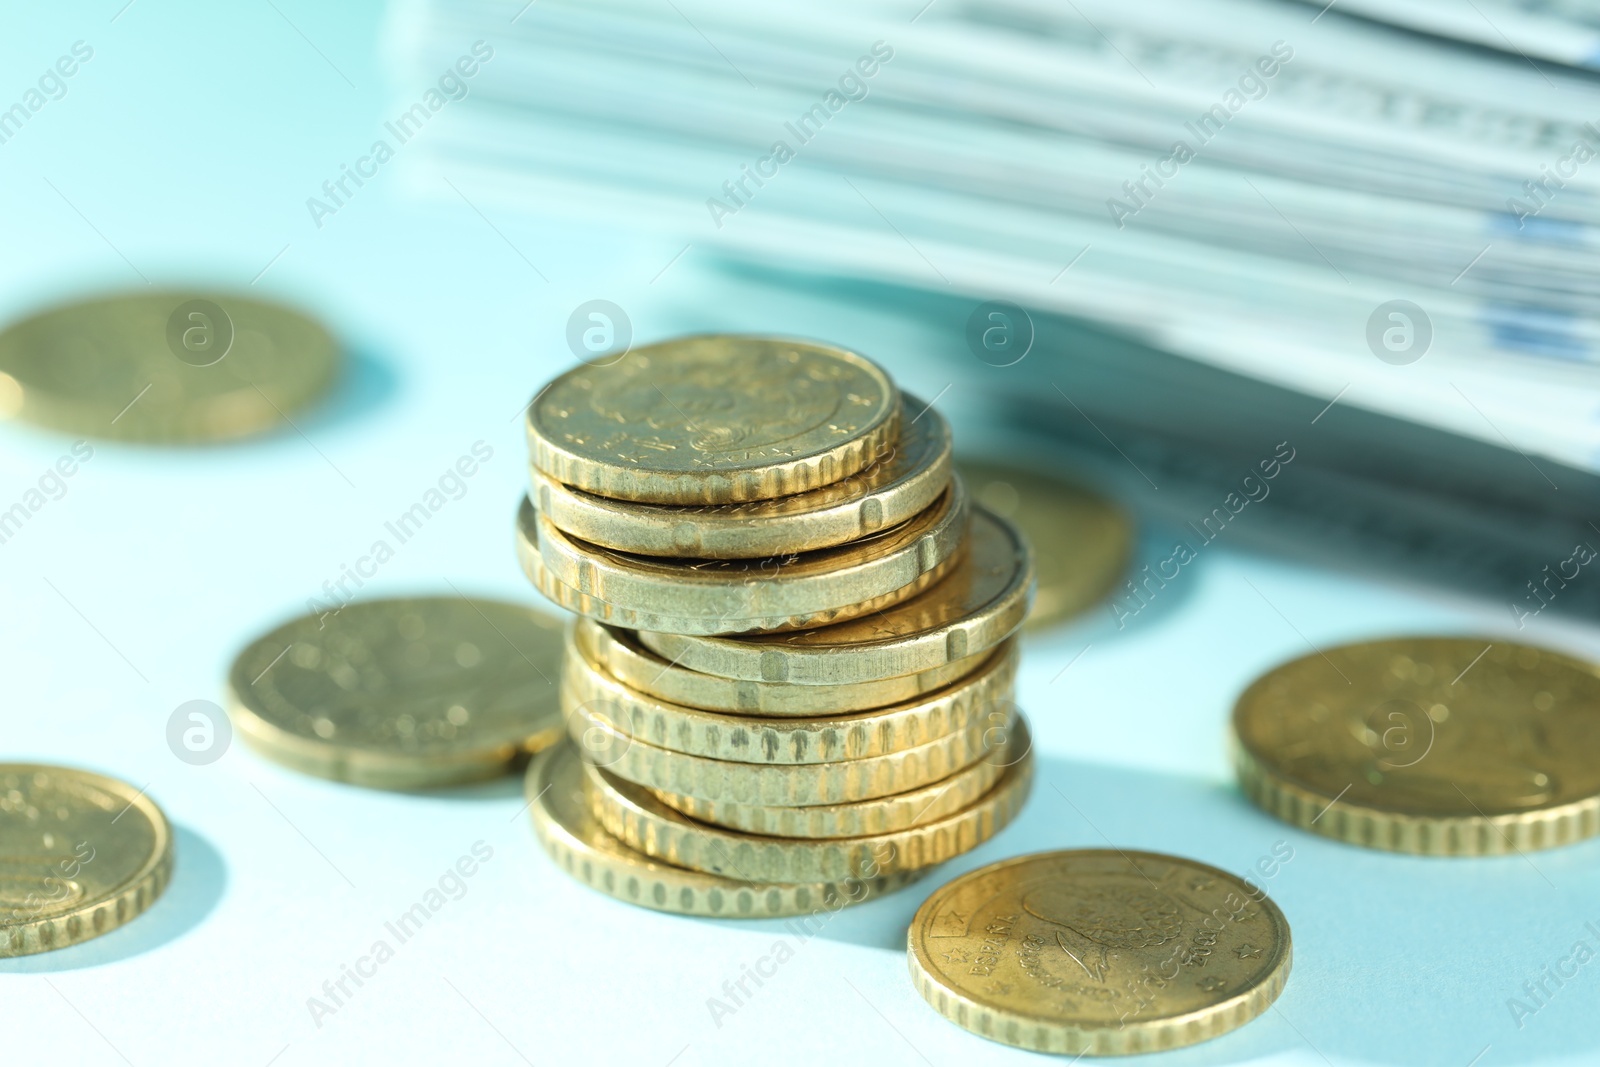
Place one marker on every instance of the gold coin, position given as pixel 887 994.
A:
pixel 80 854
pixel 979 604
pixel 898 484
pixel 402 694
pixel 625 659
pixel 746 739
pixel 1081 541
pixel 860 818
pixel 795 785
pixel 1442 746
pixel 640 820
pixel 734 596
pixel 165 366
pixel 713 419
pixel 569 833
pixel 1099 951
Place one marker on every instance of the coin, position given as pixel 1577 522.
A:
pixel 640 820
pixel 713 419
pixel 783 784
pixel 1098 951
pixel 979 604
pixel 748 739
pixel 1444 746
pixel 625 659
pixel 732 596
pixel 883 815
pixel 902 481
pixel 80 855
pixel 1081 541
pixel 164 366
pixel 572 837
pixel 402 694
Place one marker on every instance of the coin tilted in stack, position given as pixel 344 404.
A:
pixel 790 684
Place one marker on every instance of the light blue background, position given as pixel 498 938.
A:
pixel 184 152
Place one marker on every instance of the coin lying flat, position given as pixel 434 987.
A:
pixel 1081 541
pixel 80 855
pixel 747 739
pixel 979 604
pixel 902 481
pixel 640 820
pixel 570 834
pixel 1103 952
pixel 731 596
pixel 164 366
pixel 401 694
pixel 883 815
pixel 624 658
pixel 1432 745
pixel 713 420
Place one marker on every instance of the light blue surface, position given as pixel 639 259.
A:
pixel 185 151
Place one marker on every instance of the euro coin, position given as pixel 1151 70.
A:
pixel 1442 746
pixel 713 419
pixel 402 694
pixel 165 366
pixel 722 596
pixel 567 829
pixel 980 603
pixel 882 815
pixel 80 855
pixel 1098 951
pixel 622 656
pixel 639 819
pixel 747 739
pixel 1081 541
pixel 899 483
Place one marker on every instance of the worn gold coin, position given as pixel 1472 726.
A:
pixel 825 739
pixel 899 483
pixel 1081 540
pixel 80 855
pixel 733 596
pixel 1099 951
pixel 979 604
pixel 402 694
pixel 168 366
pixel 1445 746
pixel 570 834
pixel 714 419
pixel 624 658
pixel 883 815
pixel 639 819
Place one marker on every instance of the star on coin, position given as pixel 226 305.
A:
pixel 956 955
pixel 1212 984
pixel 1248 952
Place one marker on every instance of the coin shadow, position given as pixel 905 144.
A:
pixel 365 384
pixel 1402 960
pixel 199 879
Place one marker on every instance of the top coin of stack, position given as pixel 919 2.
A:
pixel 795 674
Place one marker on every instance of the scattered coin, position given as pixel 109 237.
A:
pixel 80 855
pixel 402 694
pixel 979 604
pixel 901 482
pixel 1099 952
pixel 570 834
pixel 165 366
pixel 1444 746
pixel 714 420
pixel 1081 541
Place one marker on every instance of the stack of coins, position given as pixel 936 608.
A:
pixel 791 682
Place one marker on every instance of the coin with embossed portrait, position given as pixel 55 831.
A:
pixel 714 419
pixel 1446 746
pixel 1099 952
pixel 80 855
pixel 402 693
